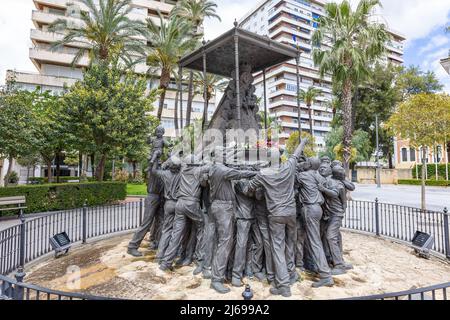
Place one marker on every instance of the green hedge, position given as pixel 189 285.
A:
pixel 39 180
pixel 431 168
pixel 431 183
pixel 52 197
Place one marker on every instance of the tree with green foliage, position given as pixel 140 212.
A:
pixel 378 96
pixel 355 42
pixel 52 138
pixel 361 146
pixel 105 31
pixel 213 84
pixel 309 96
pixel 194 12
pixel 293 142
pixel 16 125
pixel 110 109
pixel 423 119
pixel 168 41
pixel 414 81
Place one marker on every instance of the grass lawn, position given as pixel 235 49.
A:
pixel 136 190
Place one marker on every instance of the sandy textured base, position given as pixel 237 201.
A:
pixel 106 270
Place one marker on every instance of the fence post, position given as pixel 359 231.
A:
pixel 84 221
pixel 141 211
pixel 446 234
pixel 377 217
pixel 20 274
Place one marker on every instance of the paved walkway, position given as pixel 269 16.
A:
pixel 436 197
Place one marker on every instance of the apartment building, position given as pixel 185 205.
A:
pixel 293 22
pixel 54 66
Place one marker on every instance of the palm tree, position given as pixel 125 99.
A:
pixel 167 42
pixel 213 83
pixel 177 101
pixel 194 12
pixel 105 32
pixel 308 97
pixel 355 44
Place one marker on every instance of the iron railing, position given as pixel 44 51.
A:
pixel 14 290
pixel 79 224
pixel 437 292
pixel 399 223
pixel 385 220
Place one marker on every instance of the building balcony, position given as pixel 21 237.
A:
pixel 287 19
pixel 59 57
pixel 395 57
pixel 41 17
pixel 305 126
pixel 164 7
pixel 290 30
pixel 61 4
pixel 395 49
pixel 41 80
pixel 44 36
pixel 292 103
pixel 304 115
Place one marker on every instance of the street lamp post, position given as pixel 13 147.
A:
pixel 378 173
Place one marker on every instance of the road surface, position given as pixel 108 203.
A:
pixel 436 197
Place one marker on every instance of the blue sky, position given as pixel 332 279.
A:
pixel 421 21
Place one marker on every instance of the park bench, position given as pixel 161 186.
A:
pixel 13 204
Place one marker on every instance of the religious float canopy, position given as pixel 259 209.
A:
pixel 238 54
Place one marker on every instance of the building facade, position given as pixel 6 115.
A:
pixel 408 156
pixel 293 23
pixel 54 69
pixel 54 66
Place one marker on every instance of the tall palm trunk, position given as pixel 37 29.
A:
pixel 163 85
pixel 310 120
pixel 175 113
pixel 347 123
pixel 205 115
pixel 162 97
pixel 190 98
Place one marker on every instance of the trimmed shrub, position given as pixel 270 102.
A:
pixel 40 180
pixel 431 171
pixel 53 197
pixel 12 178
pixel 431 183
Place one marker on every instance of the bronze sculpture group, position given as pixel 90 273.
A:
pixel 237 221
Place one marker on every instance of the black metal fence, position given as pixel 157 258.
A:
pixel 79 224
pixel 399 223
pixel 14 290
pixel 386 220
pixel 437 292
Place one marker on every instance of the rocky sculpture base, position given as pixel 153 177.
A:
pixel 106 270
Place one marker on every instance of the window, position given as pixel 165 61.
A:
pixel 404 155
pixel 438 154
pixel 412 154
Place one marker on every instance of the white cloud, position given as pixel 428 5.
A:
pixel 415 18
pixel 15 26
pixel 436 42
pixel 228 11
